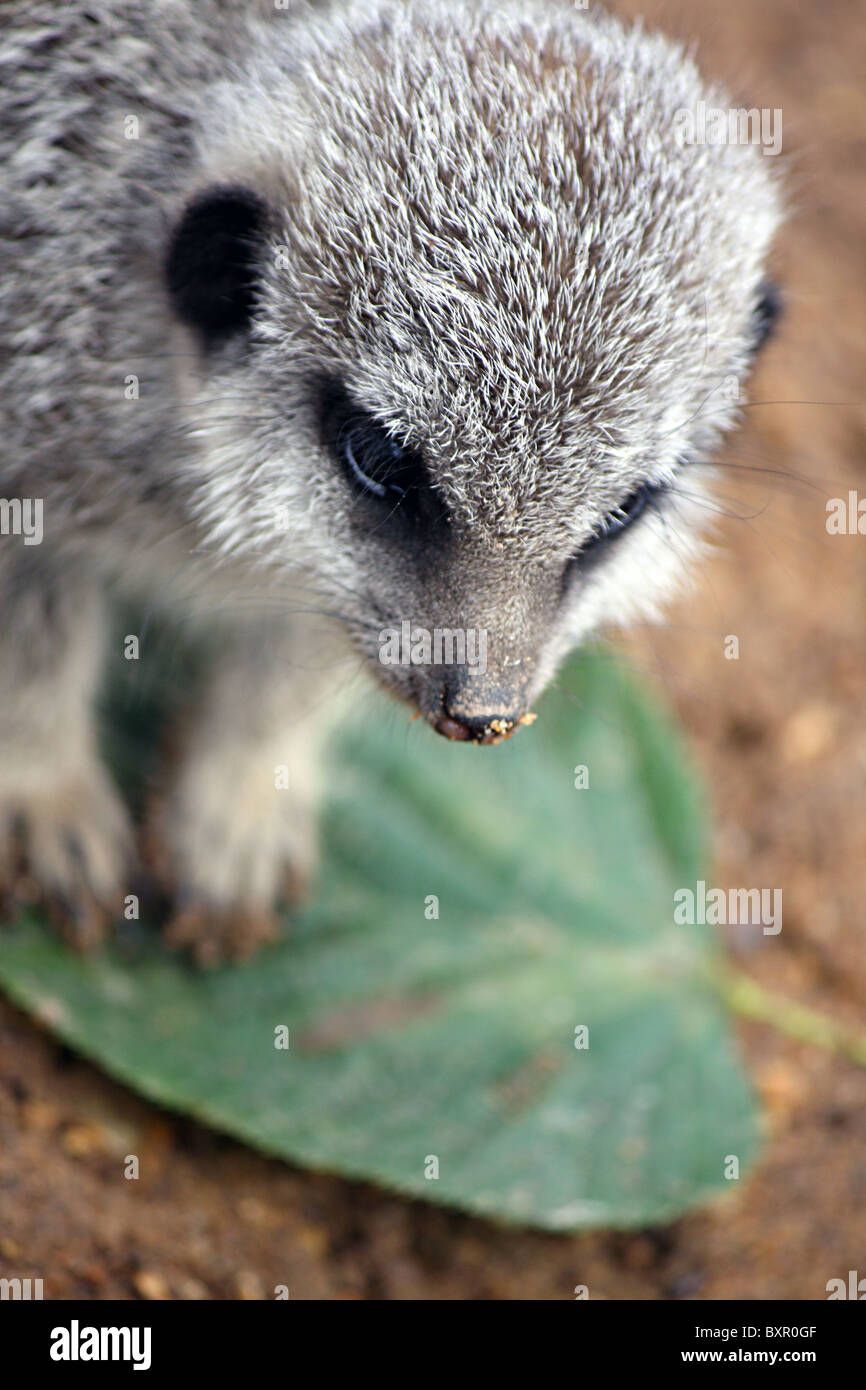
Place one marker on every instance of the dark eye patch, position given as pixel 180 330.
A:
pixel 615 523
pixel 375 465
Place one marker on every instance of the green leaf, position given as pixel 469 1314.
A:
pixel 454 1038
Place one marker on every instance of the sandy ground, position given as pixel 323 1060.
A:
pixel 781 739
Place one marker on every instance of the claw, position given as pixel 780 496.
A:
pixel 213 935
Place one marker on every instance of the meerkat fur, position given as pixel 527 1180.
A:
pixel 470 225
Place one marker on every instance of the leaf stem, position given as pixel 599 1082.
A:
pixel 744 996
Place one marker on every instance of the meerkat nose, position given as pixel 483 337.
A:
pixel 454 729
pixel 485 730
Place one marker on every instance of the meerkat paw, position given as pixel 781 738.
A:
pixel 65 844
pixel 230 850
pixel 214 935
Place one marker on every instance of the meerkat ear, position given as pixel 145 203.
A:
pixel 212 260
pixel 767 314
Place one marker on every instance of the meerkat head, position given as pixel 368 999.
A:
pixel 470 313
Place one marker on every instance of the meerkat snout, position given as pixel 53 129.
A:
pixel 474 709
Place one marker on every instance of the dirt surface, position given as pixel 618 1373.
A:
pixel 781 738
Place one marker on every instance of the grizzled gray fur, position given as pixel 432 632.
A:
pixel 319 318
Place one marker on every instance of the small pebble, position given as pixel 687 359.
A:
pixel 150 1285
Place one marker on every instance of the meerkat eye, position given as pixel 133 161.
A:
pixel 374 461
pixel 616 521
pixel 371 459
pixel 767 314
pixel 627 512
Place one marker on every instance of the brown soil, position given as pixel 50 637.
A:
pixel 781 738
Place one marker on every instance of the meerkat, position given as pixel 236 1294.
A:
pixel 317 319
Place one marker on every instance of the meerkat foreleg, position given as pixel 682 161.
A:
pixel 237 831
pixel 64 834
